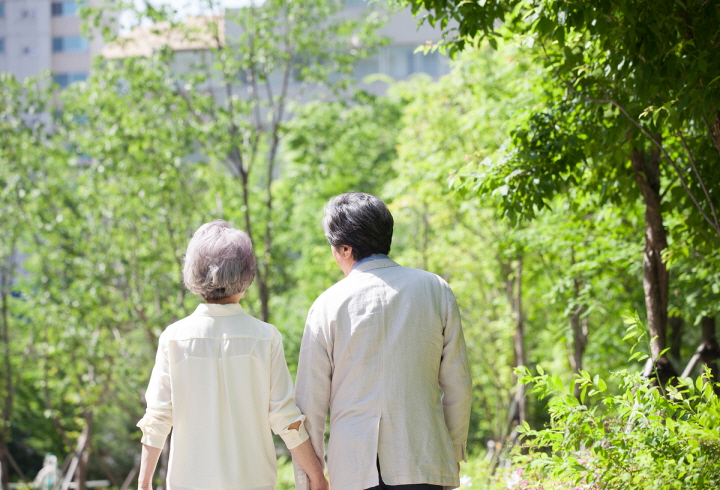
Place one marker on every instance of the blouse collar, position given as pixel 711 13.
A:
pixel 214 309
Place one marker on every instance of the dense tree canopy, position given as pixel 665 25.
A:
pixel 630 107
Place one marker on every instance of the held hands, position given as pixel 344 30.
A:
pixel 319 483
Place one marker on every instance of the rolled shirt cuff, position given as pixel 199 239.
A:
pixel 460 455
pixel 293 438
pixel 151 435
pixel 154 440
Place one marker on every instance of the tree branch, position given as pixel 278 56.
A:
pixel 715 225
pixel 700 180
pixel 714 134
pixel 660 147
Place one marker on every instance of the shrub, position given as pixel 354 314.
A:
pixel 645 436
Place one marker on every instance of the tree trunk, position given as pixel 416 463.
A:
pixel 7 277
pixel 81 473
pixel 264 294
pixel 709 349
pixel 519 339
pixel 676 332
pixel 646 170
pixel 580 331
pixel 579 327
pixel 78 464
pixel 517 413
pixel 4 466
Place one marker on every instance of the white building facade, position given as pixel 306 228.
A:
pixel 39 35
pixel 398 59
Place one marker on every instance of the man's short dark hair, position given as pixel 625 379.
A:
pixel 360 221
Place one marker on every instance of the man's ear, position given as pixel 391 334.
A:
pixel 346 251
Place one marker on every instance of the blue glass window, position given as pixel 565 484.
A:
pixel 424 63
pixel 65 79
pixel 63 9
pixel 2 45
pixel 69 44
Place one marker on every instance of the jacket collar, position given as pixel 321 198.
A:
pixel 213 309
pixel 373 264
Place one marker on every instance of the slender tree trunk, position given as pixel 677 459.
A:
pixel 646 168
pixel 4 466
pixel 715 133
pixel 264 295
pixel 9 461
pixel 676 332
pixel 130 478
pixel 78 467
pixel 6 282
pixel 81 472
pixel 112 478
pixel 579 327
pixel 517 413
pixel 519 338
pixel 709 349
pixel 580 332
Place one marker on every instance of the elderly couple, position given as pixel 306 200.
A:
pixel 383 350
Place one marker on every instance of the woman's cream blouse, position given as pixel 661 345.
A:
pixel 221 382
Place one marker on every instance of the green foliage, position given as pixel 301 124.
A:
pixel 624 440
pixel 620 80
pixel 619 75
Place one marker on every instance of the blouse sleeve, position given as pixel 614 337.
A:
pixel 282 410
pixel 157 422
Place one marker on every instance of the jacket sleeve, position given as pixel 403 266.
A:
pixel 312 392
pixel 158 421
pixel 454 378
pixel 283 411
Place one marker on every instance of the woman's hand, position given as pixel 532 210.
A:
pixel 319 484
pixel 305 456
pixel 148 462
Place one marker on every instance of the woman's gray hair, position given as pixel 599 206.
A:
pixel 219 261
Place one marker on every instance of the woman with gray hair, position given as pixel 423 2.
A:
pixel 221 382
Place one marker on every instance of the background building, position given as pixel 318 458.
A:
pixel 37 35
pixel 397 59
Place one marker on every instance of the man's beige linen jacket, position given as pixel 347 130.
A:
pixel 384 350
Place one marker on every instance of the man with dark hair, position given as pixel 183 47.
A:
pixel 379 348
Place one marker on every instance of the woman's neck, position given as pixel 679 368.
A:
pixel 235 298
